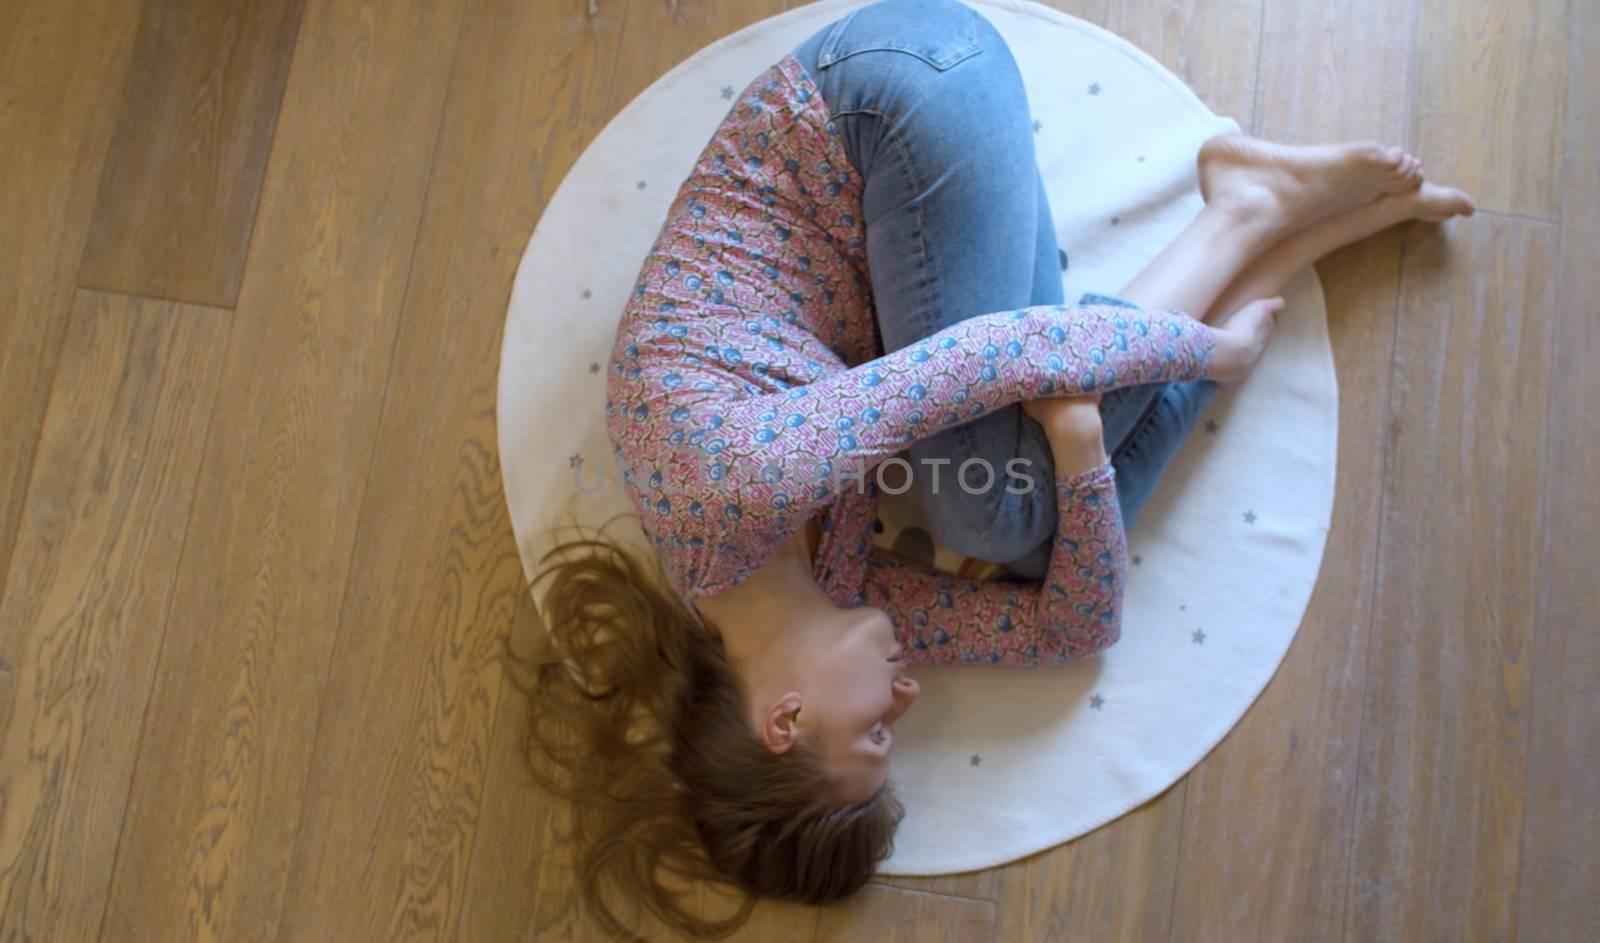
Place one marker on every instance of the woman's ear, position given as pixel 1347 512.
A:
pixel 780 727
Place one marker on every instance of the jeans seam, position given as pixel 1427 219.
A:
pixel 927 267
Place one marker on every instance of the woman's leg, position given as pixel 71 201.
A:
pixel 1140 460
pixel 1268 275
pixel 932 113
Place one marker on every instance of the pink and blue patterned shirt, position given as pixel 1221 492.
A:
pixel 748 393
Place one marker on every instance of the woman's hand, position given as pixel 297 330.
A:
pixel 1242 337
pixel 1073 426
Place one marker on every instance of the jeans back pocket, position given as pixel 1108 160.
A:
pixel 940 33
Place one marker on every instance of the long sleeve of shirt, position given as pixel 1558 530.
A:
pixel 722 475
pixel 1074 613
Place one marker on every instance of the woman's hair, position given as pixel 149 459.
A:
pixel 642 725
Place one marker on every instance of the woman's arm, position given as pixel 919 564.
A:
pixel 724 476
pixel 1074 613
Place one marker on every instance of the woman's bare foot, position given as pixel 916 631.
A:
pixel 1269 273
pixel 1431 203
pixel 1294 186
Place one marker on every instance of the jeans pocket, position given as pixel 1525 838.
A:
pixel 940 34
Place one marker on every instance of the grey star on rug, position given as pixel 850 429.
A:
pixel 1249 517
pixel 641 183
pixel 1036 126
pixel 1094 89
pixel 1199 636
pixel 1096 701
pixel 1137 559
pixel 1116 220
pixel 727 91
pixel 976 759
pixel 1141 158
pixel 575 460
pixel 587 294
pixel 594 366
pixel 1211 426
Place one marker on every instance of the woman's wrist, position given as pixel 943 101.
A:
pixel 1077 441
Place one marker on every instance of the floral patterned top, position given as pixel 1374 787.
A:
pixel 748 393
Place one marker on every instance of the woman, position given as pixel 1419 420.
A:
pixel 862 262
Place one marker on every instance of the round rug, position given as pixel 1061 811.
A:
pixel 993 764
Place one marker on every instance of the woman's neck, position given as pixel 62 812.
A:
pixel 764 609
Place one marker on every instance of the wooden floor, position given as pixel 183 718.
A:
pixel 254 261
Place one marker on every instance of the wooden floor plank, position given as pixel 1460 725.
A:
pixel 1267 831
pixel 1560 890
pixel 415 680
pixel 878 914
pixel 61 66
pixel 1488 97
pixel 179 191
pixel 978 885
pixel 83 605
pixel 216 800
pixel 1213 45
pixel 1443 746
pixel 1339 80
pixel 517 884
pixel 520 884
pixel 658 36
pixel 1081 890
pixel 1092 11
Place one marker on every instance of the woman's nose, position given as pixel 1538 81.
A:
pixel 905 691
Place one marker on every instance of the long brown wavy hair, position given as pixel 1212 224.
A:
pixel 641 725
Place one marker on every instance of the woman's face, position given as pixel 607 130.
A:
pixel 853 688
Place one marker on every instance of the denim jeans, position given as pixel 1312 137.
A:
pixel 930 107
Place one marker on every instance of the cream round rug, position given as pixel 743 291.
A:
pixel 993 764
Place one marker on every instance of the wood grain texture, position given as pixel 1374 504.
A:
pixel 415 680
pixel 676 31
pixel 1266 831
pixel 1332 72
pixel 228 740
pixel 83 605
pixel 520 884
pixel 878 914
pixel 1211 44
pixel 1488 95
pixel 61 64
pixel 1092 11
pixel 1081 890
pixel 179 191
pixel 1441 775
pixel 1559 896
pixel 532 88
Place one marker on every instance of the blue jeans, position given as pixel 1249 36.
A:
pixel 931 111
